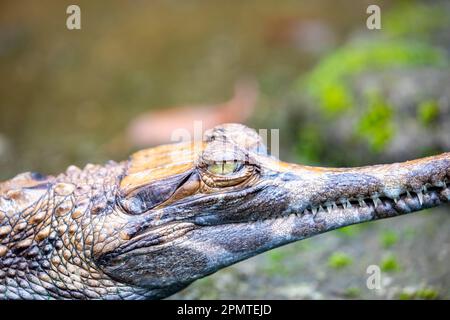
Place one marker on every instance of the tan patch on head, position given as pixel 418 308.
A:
pixel 160 162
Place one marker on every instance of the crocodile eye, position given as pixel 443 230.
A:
pixel 224 167
pixel 226 173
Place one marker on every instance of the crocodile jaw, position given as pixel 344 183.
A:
pixel 292 204
pixel 171 242
pixel 309 201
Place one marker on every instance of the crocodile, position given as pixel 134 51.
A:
pixel 149 226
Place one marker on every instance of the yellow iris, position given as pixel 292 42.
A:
pixel 223 168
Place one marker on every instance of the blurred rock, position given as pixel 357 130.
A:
pixel 408 91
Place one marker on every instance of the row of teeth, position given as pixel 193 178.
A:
pixel 346 203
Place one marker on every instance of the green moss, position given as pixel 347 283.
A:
pixel 328 83
pixel 388 238
pixel 276 256
pixel 414 19
pixel 426 293
pixel 336 97
pixel 352 292
pixel 350 231
pixel 428 112
pixel 309 147
pixel 275 265
pixel 303 245
pixel 377 126
pixel 405 296
pixel 339 260
pixel 389 264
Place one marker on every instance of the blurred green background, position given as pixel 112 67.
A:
pixel 340 94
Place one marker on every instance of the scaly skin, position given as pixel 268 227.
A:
pixel 149 226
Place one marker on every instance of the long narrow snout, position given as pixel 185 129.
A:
pixel 343 196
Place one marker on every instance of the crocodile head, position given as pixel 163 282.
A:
pixel 184 211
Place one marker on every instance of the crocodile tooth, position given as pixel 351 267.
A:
pixel 314 211
pixel 362 203
pixel 334 206
pixel 396 200
pixel 408 194
pixel 420 196
pixel 329 208
pixel 349 204
pixel 375 201
pixel 425 189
